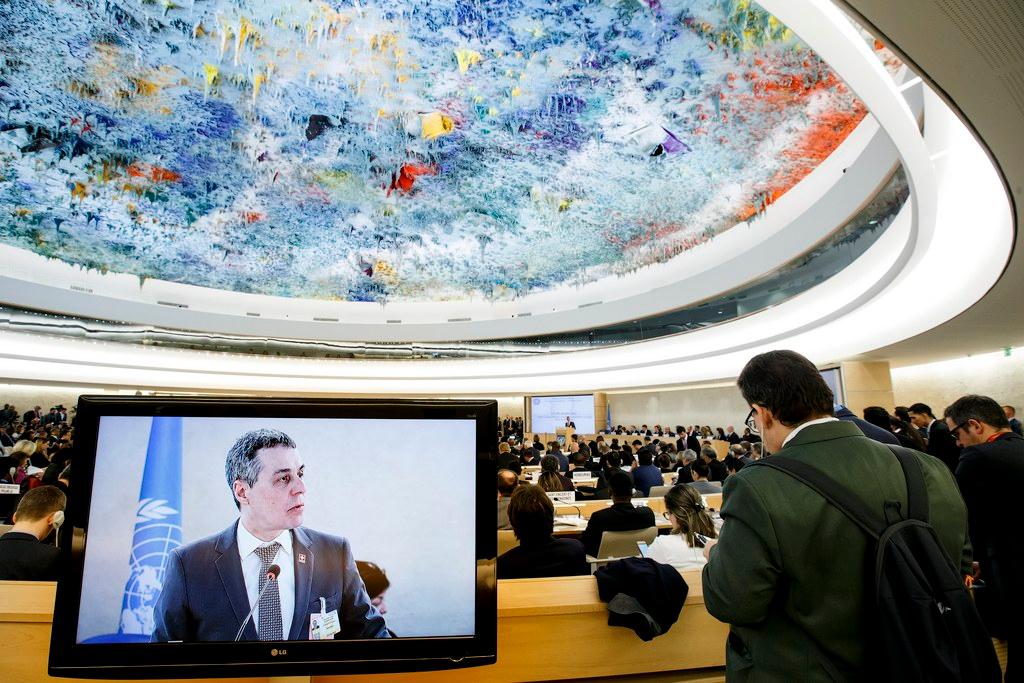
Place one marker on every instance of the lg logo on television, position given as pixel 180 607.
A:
pixel 275 652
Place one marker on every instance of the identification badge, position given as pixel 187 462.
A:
pixel 323 624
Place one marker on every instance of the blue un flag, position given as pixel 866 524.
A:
pixel 157 529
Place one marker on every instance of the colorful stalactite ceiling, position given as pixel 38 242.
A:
pixel 424 150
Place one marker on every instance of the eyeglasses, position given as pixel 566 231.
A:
pixel 666 515
pixel 751 425
pixel 960 426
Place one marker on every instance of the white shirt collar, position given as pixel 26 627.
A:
pixel 247 543
pixel 799 428
pixel 929 427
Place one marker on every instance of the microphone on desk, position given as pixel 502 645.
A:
pixel 272 573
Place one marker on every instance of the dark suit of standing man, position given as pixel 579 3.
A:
pixel 210 585
pixel 991 479
pixel 941 443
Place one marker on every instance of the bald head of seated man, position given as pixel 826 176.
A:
pixel 507 483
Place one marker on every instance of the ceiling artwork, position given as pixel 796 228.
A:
pixel 428 150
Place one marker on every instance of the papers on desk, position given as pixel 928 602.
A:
pixel 571 521
pixel 562 497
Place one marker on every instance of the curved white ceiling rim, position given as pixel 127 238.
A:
pixel 916 276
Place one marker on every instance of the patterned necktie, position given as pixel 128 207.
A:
pixel 270 627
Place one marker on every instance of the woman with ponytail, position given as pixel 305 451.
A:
pixel 690 522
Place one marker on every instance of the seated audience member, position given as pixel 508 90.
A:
pixel 684 461
pixel 647 474
pixel 507 483
pixel 732 465
pixel 23 555
pixel 505 456
pixel 720 434
pixel 731 436
pixel 621 516
pixel 529 456
pixel 682 549
pixel 750 436
pixel 715 466
pixel 377 584
pixel 538 554
pixel 665 462
pixel 908 435
pixel 555 450
pixel 551 480
pixel 991 476
pixel 756 450
pixel 700 471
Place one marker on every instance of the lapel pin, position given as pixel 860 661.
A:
pixel 302 559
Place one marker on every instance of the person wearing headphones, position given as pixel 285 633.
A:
pixel 24 554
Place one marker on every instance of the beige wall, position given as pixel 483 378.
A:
pixel 939 384
pixel 718 406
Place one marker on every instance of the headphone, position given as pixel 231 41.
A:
pixel 58 519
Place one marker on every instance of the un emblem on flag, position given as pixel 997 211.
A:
pixel 156 535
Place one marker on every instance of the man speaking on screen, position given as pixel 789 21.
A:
pixel 297 583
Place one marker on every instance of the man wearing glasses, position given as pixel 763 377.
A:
pixel 790 573
pixel 991 478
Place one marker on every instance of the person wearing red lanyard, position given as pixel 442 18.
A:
pixel 990 474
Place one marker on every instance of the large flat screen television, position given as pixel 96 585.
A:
pixel 359 535
pixel 549 413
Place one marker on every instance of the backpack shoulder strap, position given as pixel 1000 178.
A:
pixel 917 492
pixel 839 496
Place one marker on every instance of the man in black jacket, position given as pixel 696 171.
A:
pixel 941 443
pixel 23 555
pixel 715 466
pixel 991 476
pixel 621 516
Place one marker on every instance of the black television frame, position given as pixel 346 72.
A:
pixel 70 659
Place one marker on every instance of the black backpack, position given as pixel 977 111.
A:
pixel 926 627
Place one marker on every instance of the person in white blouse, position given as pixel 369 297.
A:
pixel 691 522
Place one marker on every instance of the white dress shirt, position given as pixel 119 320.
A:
pixel 247 544
pixel 672 549
pixel 819 421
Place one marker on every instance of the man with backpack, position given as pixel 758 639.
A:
pixel 803 583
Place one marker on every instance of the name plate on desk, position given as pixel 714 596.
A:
pixel 640 503
pixel 562 497
pixel 10 489
pixel 581 474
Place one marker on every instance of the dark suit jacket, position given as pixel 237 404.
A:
pixel 24 558
pixel 552 557
pixel 734 438
pixel 718 470
pixel 204 598
pixel 991 477
pixel 693 443
pixel 619 517
pixel 942 445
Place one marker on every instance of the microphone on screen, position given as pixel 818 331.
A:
pixel 273 571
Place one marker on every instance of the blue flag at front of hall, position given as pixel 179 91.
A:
pixel 157 529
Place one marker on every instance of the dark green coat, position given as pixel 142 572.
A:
pixel 789 569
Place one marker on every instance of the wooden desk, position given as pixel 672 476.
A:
pixel 660 522
pixel 589 507
pixel 535 614
pixel 26 612
pixel 531 614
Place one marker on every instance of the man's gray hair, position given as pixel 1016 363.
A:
pixel 689 455
pixel 242 463
pixel 709 452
